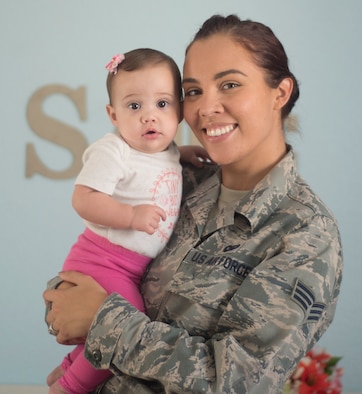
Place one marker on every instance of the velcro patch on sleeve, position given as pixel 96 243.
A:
pixel 316 311
pixel 305 298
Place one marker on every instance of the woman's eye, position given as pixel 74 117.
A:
pixel 162 104
pixel 192 92
pixel 134 106
pixel 229 85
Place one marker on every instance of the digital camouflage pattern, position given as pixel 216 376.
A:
pixel 234 301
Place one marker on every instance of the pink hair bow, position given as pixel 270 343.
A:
pixel 114 63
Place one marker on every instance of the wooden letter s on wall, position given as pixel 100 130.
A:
pixel 55 131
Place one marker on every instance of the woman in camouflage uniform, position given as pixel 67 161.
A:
pixel 250 278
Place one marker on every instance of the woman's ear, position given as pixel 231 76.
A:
pixel 284 90
pixel 111 114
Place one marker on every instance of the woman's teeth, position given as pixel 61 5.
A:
pixel 219 131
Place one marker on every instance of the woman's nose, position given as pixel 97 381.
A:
pixel 209 105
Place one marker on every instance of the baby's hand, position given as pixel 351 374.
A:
pixel 147 217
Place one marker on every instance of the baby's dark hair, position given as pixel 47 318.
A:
pixel 142 58
pixel 267 51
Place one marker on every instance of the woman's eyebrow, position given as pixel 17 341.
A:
pixel 217 76
pixel 189 80
pixel 227 72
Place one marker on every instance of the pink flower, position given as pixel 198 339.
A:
pixel 112 66
pixel 336 380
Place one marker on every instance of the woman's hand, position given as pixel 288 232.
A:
pixel 195 155
pixel 73 306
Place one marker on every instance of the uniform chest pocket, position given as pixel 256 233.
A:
pixel 200 290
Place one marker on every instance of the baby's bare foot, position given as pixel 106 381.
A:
pixel 55 375
pixel 56 388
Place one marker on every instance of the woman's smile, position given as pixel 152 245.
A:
pixel 216 132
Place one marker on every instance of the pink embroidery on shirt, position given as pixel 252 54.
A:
pixel 166 194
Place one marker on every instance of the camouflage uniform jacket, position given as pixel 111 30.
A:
pixel 233 301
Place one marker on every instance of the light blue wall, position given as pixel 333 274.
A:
pixel 68 42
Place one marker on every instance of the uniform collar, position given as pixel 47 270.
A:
pixel 266 196
pixel 256 206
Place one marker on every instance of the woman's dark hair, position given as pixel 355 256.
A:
pixel 142 58
pixel 267 51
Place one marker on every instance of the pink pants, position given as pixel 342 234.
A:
pixel 117 270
